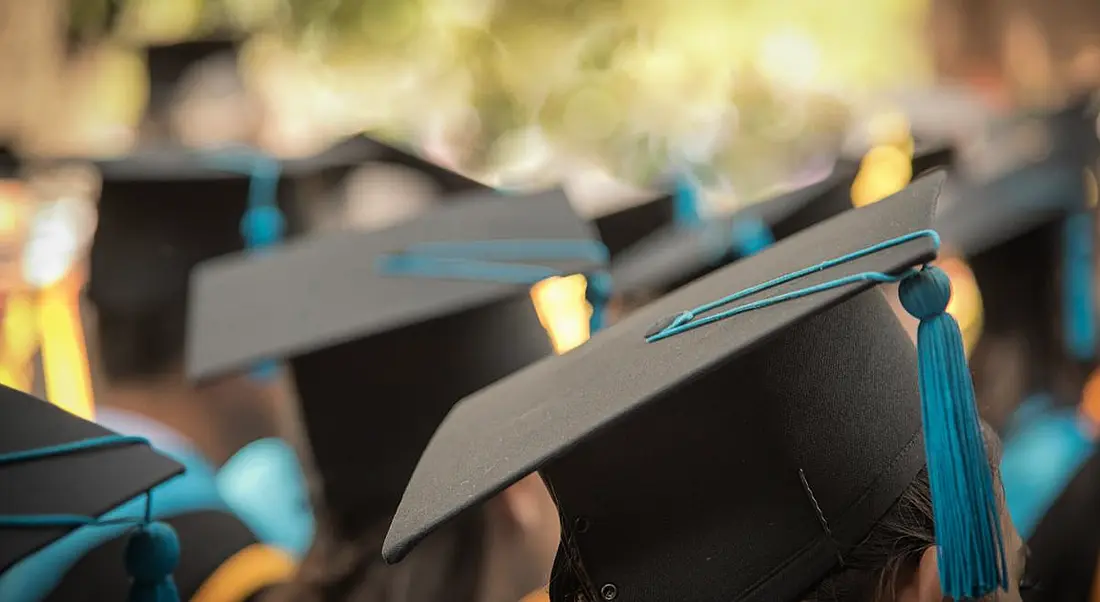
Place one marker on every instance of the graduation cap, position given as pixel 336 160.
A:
pixel 60 473
pixel 1021 206
pixel 385 330
pixel 690 247
pixel 161 213
pixel 714 445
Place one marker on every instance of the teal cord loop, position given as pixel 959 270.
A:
pixel 489 260
pixel 263 224
pixel 691 319
pixel 153 551
pixel 1078 295
pixel 969 538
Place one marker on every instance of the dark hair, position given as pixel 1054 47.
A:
pixel 136 346
pixel 891 553
pixel 341 567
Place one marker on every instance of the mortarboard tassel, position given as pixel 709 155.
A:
pixel 969 539
pixel 750 236
pixel 1079 320
pixel 970 542
pixel 153 551
pixel 263 223
pixel 685 204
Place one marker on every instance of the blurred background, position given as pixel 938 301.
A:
pixel 608 99
pixel 604 96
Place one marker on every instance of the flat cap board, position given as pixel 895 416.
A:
pixel 88 483
pixel 677 254
pixel 509 429
pixel 324 290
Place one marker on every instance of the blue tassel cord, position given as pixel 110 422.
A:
pixel 153 551
pixel 1079 317
pixel 263 224
pixel 969 538
pixel 489 260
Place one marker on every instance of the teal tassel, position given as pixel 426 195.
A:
pixel 1079 318
pixel 686 204
pixel 597 293
pixel 151 556
pixel 262 226
pixel 750 236
pixel 968 529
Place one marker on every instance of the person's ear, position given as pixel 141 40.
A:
pixel 521 504
pixel 924 586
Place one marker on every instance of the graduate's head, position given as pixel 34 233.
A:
pixel 159 216
pixel 743 437
pixel 896 561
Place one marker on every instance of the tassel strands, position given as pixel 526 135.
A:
pixel 969 537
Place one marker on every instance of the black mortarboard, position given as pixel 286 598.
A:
pixel 54 465
pixel 410 318
pixel 682 252
pixel 167 65
pixel 733 460
pixel 160 214
pixel 1020 175
pixel 1021 210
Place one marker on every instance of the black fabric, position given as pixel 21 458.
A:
pixel 87 483
pixel 1065 547
pixel 207 539
pixel 685 501
pixel 1020 284
pixel 930 156
pixel 683 457
pixel 151 234
pixel 378 359
pixel 407 380
pixel 622 229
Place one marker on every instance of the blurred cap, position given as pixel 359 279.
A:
pixel 386 330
